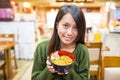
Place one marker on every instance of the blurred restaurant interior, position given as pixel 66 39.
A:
pixel 32 21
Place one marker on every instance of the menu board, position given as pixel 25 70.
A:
pixel 69 0
pixel 84 0
pixel 74 0
pixel 89 0
pixel 64 0
pixel 79 0
pixel 59 0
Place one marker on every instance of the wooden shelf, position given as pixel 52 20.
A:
pixel 5 4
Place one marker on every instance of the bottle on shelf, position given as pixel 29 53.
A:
pixel 98 36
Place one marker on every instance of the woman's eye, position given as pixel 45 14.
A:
pixel 65 26
pixel 75 28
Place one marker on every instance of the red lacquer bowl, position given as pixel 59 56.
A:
pixel 59 67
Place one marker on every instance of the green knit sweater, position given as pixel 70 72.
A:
pixel 79 71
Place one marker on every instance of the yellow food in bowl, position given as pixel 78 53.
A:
pixel 62 60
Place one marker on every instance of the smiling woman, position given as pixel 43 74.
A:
pixel 68 35
pixel 67 29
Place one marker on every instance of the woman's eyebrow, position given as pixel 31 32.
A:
pixel 66 23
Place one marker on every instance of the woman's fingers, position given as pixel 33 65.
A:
pixel 48 62
pixel 49 66
pixel 62 73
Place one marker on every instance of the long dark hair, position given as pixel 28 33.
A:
pixel 79 18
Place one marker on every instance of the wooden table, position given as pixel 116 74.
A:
pixel 6 46
pixel 104 47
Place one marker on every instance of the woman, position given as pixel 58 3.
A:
pixel 68 35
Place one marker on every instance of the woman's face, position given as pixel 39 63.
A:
pixel 67 29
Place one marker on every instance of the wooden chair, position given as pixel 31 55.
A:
pixel 111 68
pixel 10 38
pixel 2 65
pixel 94 49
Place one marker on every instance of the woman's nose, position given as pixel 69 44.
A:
pixel 70 31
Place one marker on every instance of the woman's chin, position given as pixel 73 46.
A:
pixel 67 42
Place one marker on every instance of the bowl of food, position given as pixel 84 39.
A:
pixel 62 61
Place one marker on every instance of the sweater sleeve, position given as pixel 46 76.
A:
pixel 39 70
pixel 81 69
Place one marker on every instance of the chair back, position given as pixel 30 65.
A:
pixel 2 64
pixel 94 49
pixel 7 37
pixel 111 61
pixel 111 68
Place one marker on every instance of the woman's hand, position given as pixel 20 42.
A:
pixel 49 66
pixel 60 73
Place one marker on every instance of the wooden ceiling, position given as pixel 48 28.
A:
pixel 53 2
